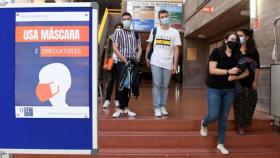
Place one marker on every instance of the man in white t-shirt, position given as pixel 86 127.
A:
pixel 163 61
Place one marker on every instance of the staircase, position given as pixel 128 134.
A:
pixel 177 136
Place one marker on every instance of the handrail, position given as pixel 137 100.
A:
pixel 102 34
pixel 114 10
pixel 104 20
pixel 102 25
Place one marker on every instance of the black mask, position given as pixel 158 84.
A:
pixel 233 45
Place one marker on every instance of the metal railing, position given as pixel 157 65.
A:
pixel 104 22
pixel 102 37
pixel 102 25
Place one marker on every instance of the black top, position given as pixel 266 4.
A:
pixel 248 81
pixel 224 62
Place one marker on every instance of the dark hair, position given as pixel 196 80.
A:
pixel 251 43
pixel 162 12
pixel 126 14
pixel 223 48
pixel 119 24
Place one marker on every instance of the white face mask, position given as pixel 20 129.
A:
pixel 126 24
pixel 242 40
pixel 165 21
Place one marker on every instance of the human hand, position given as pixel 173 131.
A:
pixel 174 69
pixel 147 62
pixel 233 71
pixel 232 78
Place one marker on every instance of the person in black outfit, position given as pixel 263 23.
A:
pixel 113 72
pixel 222 72
pixel 245 102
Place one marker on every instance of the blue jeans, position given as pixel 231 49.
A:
pixel 219 104
pixel 161 78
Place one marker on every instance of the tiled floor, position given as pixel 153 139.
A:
pixel 188 104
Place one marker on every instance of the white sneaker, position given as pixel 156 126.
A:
pixel 163 111
pixel 118 113
pixel 203 130
pixel 222 149
pixel 157 112
pixel 117 103
pixel 106 104
pixel 130 113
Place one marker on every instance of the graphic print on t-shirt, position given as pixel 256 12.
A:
pixel 163 42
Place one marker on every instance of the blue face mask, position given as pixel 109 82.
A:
pixel 164 21
pixel 242 40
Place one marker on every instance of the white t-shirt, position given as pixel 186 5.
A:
pixel 164 47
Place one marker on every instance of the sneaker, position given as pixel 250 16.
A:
pixel 117 103
pixel 222 149
pixel 130 113
pixel 203 130
pixel 241 131
pixel 163 111
pixel 106 104
pixel 157 112
pixel 118 113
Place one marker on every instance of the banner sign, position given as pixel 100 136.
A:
pixel 145 14
pixel 52 65
pixel 48 88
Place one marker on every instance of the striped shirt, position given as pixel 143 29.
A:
pixel 127 43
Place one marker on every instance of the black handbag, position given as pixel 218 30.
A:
pixel 150 53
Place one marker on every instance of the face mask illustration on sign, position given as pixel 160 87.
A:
pixel 44 92
pixel 54 83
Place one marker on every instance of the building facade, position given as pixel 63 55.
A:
pixel 206 22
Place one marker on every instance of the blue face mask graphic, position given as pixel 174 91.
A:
pixel 165 21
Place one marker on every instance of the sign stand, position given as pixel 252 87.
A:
pixel 58 130
pixel 3 155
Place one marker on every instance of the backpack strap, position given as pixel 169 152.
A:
pixel 154 35
pixel 136 35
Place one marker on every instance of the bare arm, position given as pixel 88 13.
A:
pixel 255 83
pixel 242 75
pixel 139 53
pixel 216 71
pixel 176 55
pixel 175 59
pixel 257 72
pixel 149 47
